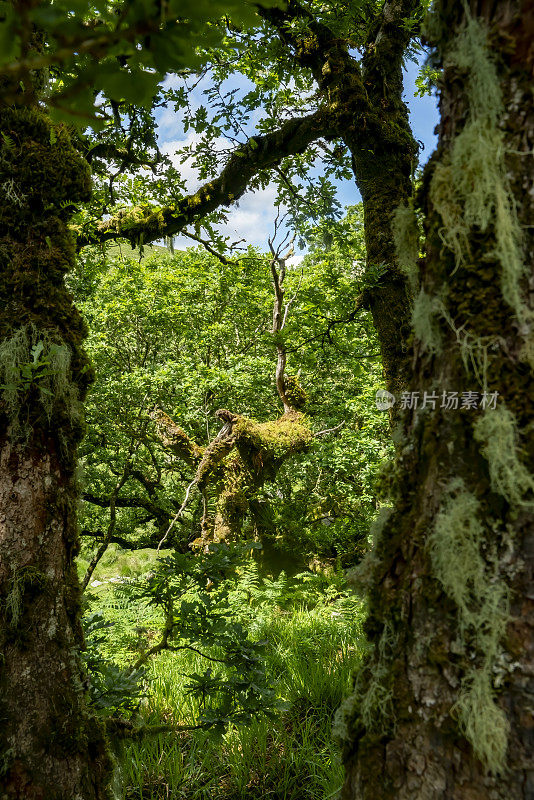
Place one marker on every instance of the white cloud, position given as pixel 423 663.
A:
pixel 188 172
pixel 251 219
pixel 295 260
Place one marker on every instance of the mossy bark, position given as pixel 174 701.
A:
pixel 384 157
pixel 235 466
pixel 51 747
pixel 443 707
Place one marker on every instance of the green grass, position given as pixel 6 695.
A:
pixel 310 657
pixel 313 635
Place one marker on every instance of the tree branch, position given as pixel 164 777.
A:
pixel 124 729
pixel 329 430
pixel 175 438
pixel 386 44
pixel 259 153
pixel 111 527
pixel 322 52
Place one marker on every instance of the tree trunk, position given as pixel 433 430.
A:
pixel 384 157
pixel 50 745
pixel 443 708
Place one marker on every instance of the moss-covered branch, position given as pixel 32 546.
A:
pixel 260 152
pixel 317 47
pixel 237 462
pixel 175 438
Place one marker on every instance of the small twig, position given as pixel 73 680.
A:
pixel 292 300
pixel 329 430
pixel 207 246
pixel 112 520
pixel 178 513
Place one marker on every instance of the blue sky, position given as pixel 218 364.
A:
pixel 252 219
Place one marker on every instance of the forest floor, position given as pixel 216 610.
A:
pixel 311 627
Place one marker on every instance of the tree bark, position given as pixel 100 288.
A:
pixel 50 744
pixel 443 707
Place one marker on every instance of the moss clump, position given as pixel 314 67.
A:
pixel 38 170
pixel 44 374
pixel 471 580
pixel 213 455
pixel 277 439
pixel 406 238
pixel 295 394
pixel 470 188
pixel 497 431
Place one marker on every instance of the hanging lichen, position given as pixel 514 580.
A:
pixel 497 431
pixel 470 577
pixel 371 701
pixel 361 576
pixel 21 582
pixel 406 238
pixel 426 313
pixel 31 362
pixel 470 188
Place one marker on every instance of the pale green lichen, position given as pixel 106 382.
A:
pixel 475 355
pixel 406 238
pixel 361 576
pixel 375 707
pixel 482 722
pixel 426 313
pixel 14 600
pixel 470 187
pixel 21 580
pixel 497 431
pixel 469 574
pixel 371 701
pixel 30 359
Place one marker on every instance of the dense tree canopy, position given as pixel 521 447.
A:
pixel 189 335
pixel 440 702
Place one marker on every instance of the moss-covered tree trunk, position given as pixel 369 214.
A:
pixel 50 745
pixel 384 156
pixel 444 707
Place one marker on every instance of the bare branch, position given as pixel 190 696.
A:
pixel 178 513
pixel 329 430
pixel 112 521
pixel 207 246
pixel 124 729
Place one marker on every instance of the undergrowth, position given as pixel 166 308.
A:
pixel 310 627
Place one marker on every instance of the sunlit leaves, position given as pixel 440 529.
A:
pixel 122 50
